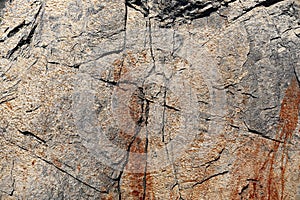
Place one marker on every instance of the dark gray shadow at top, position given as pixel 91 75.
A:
pixel 2 4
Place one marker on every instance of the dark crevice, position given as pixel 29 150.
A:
pixel 185 11
pixel 58 168
pixel 210 177
pixel 244 189
pixel 227 3
pixel 138 127
pixel 163 117
pixel 234 126
pixel 261 134
pixel 171 107
pixel 270 108
pixel 147 110
pixel 37 13
pixel 228 86
pixel 296 76
pixel 13 180
pixel 13 189
pixel 151 45
pixel 118 179
pixel 107 81
pixel 269 3
pixel 266 4
pixel 250 95
pixel 117 51
pixel 252 180
pixel 28 133
pixel 207 12
pixel 25 40
pixel 65 172
pixel 139 6
pixel 214 160
pixel 141 97
pixel 16 29
pixel 146 113
pixel 170 155
pixel 125 26
pixel 76 66
pixel 7 100
pixel 145 170
pixel 54 63
pixel 144 109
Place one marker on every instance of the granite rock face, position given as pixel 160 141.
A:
pixel 157 99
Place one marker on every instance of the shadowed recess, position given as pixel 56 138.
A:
pixel 2 4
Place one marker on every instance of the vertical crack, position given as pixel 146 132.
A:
pixel 175 173
pixel 210 177
pixel 169 156
pixel 173 43
pixel 243 190
pixel 13 180
pixel 149 27
pixel 137 130
pixel 125 24
pixel 139 111
pixel 163 117
pixel 147 110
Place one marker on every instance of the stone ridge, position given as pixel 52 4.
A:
pixel 169 12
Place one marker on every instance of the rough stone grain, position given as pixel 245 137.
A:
pixel 157 99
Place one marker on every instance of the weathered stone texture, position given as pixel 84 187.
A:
pixel 157 99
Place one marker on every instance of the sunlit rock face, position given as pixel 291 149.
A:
pixel 157 99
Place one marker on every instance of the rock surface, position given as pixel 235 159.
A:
pixel 157 99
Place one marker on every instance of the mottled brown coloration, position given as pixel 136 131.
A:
pixel 265 178
pixel 119 69
pixel 115 93
pixel 136 106
pixel 56 162
pixel 138 181
pixel 8 104
pixel 135 185
pixel 287 125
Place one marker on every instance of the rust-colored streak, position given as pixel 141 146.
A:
pixel 288 121
pixel 136 166
pixel 289 110
pixel 9 105
pixel 136 106
pixel 272 172
pixel 56 162
pixel 107 197
pixel 137 182
pixel 263 173
pixel 119 69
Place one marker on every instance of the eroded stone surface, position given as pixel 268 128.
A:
pixel 149 99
